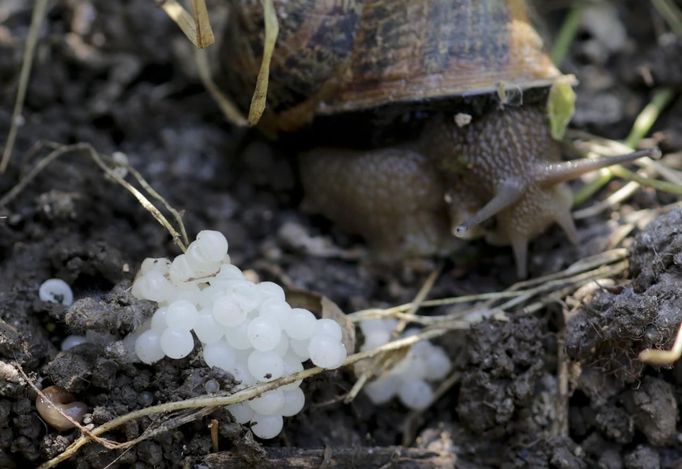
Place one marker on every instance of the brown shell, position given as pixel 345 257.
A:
pixel 348 55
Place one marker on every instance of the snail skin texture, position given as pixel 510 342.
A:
pixel 412 198
pixel 368 64
pixel 64 401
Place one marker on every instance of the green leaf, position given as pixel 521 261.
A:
pixel 560 107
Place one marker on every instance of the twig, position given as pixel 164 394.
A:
pixel 37 18
pixel 106 167
pixel 106 443
pixel 417 302
pixel 240 396
pixel 226 105
pixel 385 362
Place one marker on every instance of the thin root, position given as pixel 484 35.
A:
pixel 664 357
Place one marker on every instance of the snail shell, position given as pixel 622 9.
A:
pixel 58 398
pixel 335 56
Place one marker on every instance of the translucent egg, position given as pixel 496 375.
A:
pixel 328 327
pixel 207 329
pixel 229 272
pixel 158 323
pixel 271 290
pixel 326 352
pixel 415 394
pixel 182 315
pixel 301 325
pixel 300 348
pixel 383 389
pixel 294 400
pixel 375 339
pixel 246 295
pixel 292 364
pixel 212 245
pixel 227 312
pixel 56 290
pixel 370 326
pixel 275 309
pixel 160 264
pixel 176 344
pixel 212 386
pixel 237 336
pixel 186 291
pixel 198 263
pixel 152 286
pixel 72 341
pixel 264 333
pixel 241 412
pixel 265 366
pixel 282 346
pixel 269 403
pixel 179 271
pixel 267 426
pixel 148 347
pixel 438 364
pixel 220 355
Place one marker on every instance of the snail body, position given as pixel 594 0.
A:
pixel 336 61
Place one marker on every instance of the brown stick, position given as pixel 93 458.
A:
pixel 338 458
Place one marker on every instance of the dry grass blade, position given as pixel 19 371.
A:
pixel 226 105
pixel 642 125
pixel 196 26
pixel 240 396
pixel 109 167
pixel 671 13
pixel 386 362
pixel 39 10
pixel 260 94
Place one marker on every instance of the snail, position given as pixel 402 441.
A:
pixel 435 64
pixel 57 399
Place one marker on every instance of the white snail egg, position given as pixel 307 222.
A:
pixel 267 426
pixel 177 344
pixel 326 352
pixel 56 290
pixel 301 325
pixel 265 366
pixel 182 315
pixel 264 333
pixel 148 347
pixel 269 403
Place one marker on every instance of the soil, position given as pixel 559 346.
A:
pixel 120 76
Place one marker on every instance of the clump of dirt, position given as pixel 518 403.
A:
pixel 120 76
pixel 618 402
pixel 609 333
pixel 504 368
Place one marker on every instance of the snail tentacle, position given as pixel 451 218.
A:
pixel 550 174
pixel 508 193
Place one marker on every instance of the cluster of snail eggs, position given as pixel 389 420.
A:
pixel 245 328
pixel 408 379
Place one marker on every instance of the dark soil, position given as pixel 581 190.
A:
pixel 120 76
